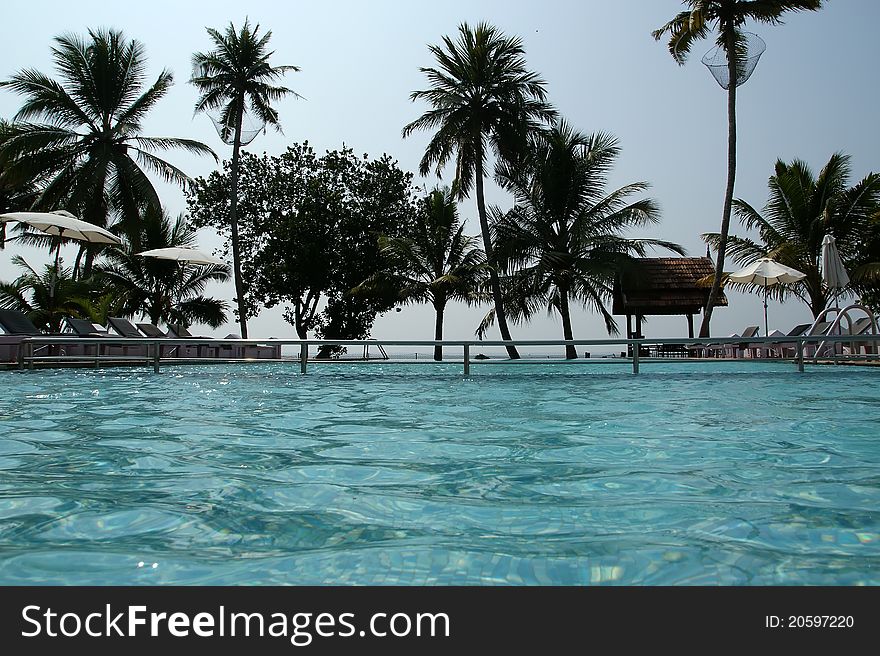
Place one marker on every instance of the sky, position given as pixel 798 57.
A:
pixel 814 93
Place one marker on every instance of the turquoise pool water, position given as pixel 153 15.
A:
pixel 729 473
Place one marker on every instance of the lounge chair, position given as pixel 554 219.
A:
pixel 864 326
pixel 740 350
pixel 83 328
pixel 788 349
pixel 16 326
pixel 123 327
pixel 730 350
pixel 151 330
pixel 235 351
pixel 263 351
pixel 181 331
pixel 816 330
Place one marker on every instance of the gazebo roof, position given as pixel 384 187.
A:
pixel 665 285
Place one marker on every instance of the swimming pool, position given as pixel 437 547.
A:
pixel 729 473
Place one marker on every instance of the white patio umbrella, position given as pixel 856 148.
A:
pixel 63 225
pixel 766 272
pixel 833 272
pixel 182 255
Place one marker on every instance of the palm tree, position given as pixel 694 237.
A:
pixel 47 297
pixel 562 240
pixel 726 18
pixel 482 98
pixel 89 152
pixel 17 190
pixel 802 208
pixel 163 290
pixel 236 77
pixel 436 264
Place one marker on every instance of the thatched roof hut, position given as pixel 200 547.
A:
pixel 664 286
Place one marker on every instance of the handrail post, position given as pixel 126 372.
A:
pixel 303 357
pixel 800 356
pixel 635 350
pixel 157 350
pixel 30 352
pixel 467 360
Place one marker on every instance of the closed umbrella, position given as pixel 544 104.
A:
pixel 833 272
pixel 766 272
pixel 63 225
pixel 180 254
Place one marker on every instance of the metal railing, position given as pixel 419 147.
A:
pixel 154 352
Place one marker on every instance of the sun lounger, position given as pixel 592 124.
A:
pixel 123 327
pixel 16 326
pixel 864 326
pixel 816 330
pixel 83 328
pixel 787 349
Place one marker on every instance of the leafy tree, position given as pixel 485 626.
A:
pixel 32 294
pixel 482 99
pixel 435 263
pixel 866 272
pixel 309 232
pixel 725 18
pixel 562 240
pixel 802 208
pixel 163 290
pixel 234 77
pixel 89 154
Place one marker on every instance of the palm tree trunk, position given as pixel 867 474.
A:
pixel 570 350
pixel 233 222
pixel 728 194
pixel 438 329
pixel 89 264
pixel 77 274
pixel 494 282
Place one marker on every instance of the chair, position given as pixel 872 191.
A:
pixel 83 328
pixel 816 330
pixel 783 348
pixel 16 326
pixel 123 327
pixel 150 330
pixel 863 327
pixel 740 350
pixel 258 351
pixel 181 331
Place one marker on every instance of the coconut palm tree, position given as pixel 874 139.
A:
pixel 163 290
pixel 725 19
pixel 234 78
pixel 88 152
pixel 802 208
pixel 437 263
pixel 482 99
pixel 47 297
pixel 562 240
pixel 17 190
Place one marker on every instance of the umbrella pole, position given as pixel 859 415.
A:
pixel 55 270
pixel 766 331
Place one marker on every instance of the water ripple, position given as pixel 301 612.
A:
pixel 687 474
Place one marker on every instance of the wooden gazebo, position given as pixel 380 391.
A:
pixel 663 286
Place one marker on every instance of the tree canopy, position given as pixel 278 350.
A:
pixel 309 232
